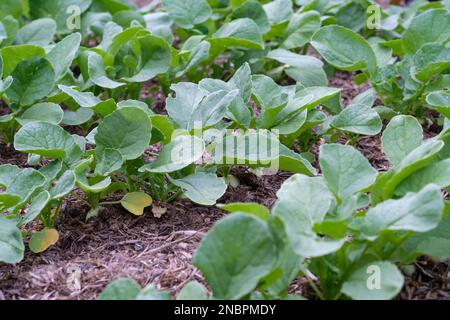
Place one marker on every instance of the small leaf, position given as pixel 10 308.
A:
pixel 41 240
pixel 136 202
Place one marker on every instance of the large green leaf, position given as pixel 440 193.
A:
pixel 300 214
pixel 45 139
pixel 429 26
pixel 11 243
pixel 178 154
pixel 378 280
pixel 46 112
pixel 155 57
pixel 419 212
pixel 127 131
pixel 8 201
pixel 254 10
pixel 188 13
pixel 13 55
pixel 63 53
pixel 202 188
pixel 59 11
pixel 33 80
pixel 344 49
pixel 401 136
pixel 301 28
pixel 440 100
pixel 235 254
pixel 97 72
pixel 243 33
pixel 437 173
pixel 38 32
pixel 358 118
pixel 278 11
pixel 345 169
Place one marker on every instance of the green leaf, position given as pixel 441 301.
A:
pixel 127 130
pixel 39 32
pixel 8 173
pixel 300 214
pixel 344 49
pixel 78 117
pixel 419 212
pixel 401 136
pixel 59 11
pixel 429 26
pixel 33 80
pixel 278 11
pixel 193 291
pixel 378 280
pixel 151 293
pixel 64 185
pixel 136 202
pixel 121 289
pixel 25 183
pixel 45 139
pixel 37 204
pixel 417 159
pixel 155 57
pixel 97 73
pixel 42 240
pixel 13 55
pixel 202 188
pixel 253 10
pixel 301 28
pixel 440 101
pixel 8 201
pixel 359 119
pixel 430 60
pixel 11 243
pixel 235 254
pixel 345 169
pixel 11 7
pixel 181 152
pixel 437 173
pixel 63 53
pixel 255 209
pixel 45 112
pixel 294 60
pixel 181 107
pixel 242 33
pixel 188 13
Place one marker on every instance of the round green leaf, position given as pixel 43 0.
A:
pixel 33 80
pixel 378 280
pixel 235 254
pixel 344 49
pixel 46 112
pixel 127 130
